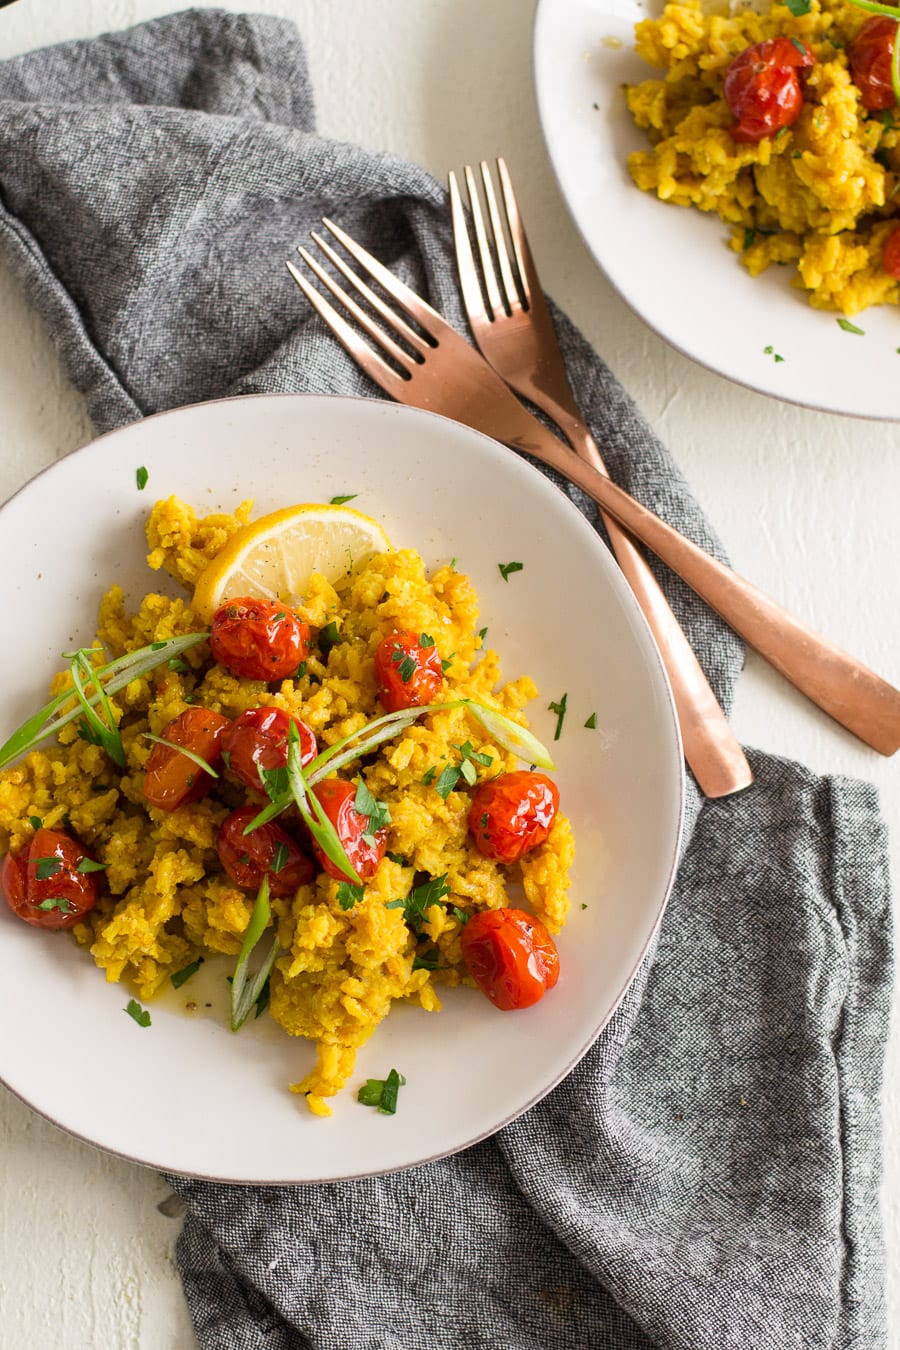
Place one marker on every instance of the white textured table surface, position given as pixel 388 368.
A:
pixel 807 505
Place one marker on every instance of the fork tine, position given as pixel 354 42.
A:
pixel 489 276
pixel 384 340
pixel 528 277
pixel 389 315
pixel 465 258
pixel 426 317
pixel 509 284
pixel 347 336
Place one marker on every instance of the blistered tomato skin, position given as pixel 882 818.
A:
pixel 512 814
pixel 171 779
pixel 891 256
pixel 258 739
pixel 510 956
pixel 247 858
pixel 763 90
pixel 407 673
pixel 870 56
pixel 47 871
pixel 258 640
pixel 336 797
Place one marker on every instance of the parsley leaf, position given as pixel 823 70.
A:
pixel 347 497
pixel 397 858
pixel 560 710
pixel 181 977
pixel 140 1015
pixel 428 775
pixel 89 865
pixel 404 662
pixel 506 568
pixel 591 723
pixel 382 1092
pixel 427 961
pixel 425 640
pixel 348 895
pixel 275 782
pixel 329 637
pixel 798 7
pixel 35 822
pixel 141 477
pixel 421 898
pixel 379 813
pixel 849 327
pixel 57 902
pixel 450 776
pixel 47 867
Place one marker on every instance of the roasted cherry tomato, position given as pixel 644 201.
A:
pixel 337 797
pixel 762 87
pixel 172 779
pixel 512 814
pixel 510 956
pixel 408 672
pixel 258 640
pixel 266 851
pixel 42 883
pixel 890 257
pixel 258 739
pixel 870 56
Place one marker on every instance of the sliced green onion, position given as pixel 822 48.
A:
pixel 317 822
pixel 188 754
pixel 115 675
pixel 516 739
pixel 103 733
pixel 244 991
pixel 180 977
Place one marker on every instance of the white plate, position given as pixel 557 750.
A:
pixel 674 266
pixel 185 1094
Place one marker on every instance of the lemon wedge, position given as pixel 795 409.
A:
pixel 274 557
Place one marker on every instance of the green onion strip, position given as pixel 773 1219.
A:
pixel 105 733
pixel 244 991
pixel 317 822
pixel 182 750
pixel 115 676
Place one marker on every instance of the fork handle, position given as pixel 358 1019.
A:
pixel 840 685
pixel 711 748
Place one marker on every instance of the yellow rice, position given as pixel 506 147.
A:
pixel 821 195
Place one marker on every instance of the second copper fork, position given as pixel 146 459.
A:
pixel 514 330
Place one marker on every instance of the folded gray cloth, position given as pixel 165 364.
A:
pixel 707 1177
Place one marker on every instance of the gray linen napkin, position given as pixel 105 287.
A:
pixel 708 1176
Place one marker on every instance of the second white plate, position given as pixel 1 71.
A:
pixel 673 266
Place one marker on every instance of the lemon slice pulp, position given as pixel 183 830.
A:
pixel 274 557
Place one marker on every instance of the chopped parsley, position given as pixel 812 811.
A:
pixel 406 666
pixel 347 497
pixel 425 640
pixel 452 773
pixel 382 1092
pixel 275 782
pixel 507 568
pixel 420 898
pixel 560 710
pixel 141 477
pixel 849 327
pixel 398 858
pixel 770 351
pixel 801 48
pixel 482 634
pixel 175 663
pixel 349 895
pixel 591 722
pixel 140 1015
pixel 182 976
pixel 798 7
pixel 428 775
pixel 47 867
pixel 35 822
pixel 56 902
pixel 88 865
pixel 379 813
pixel 427 961
pixel 329 637
pixel 460 915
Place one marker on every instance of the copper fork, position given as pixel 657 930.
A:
pixel 515 334
pixel 442 373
